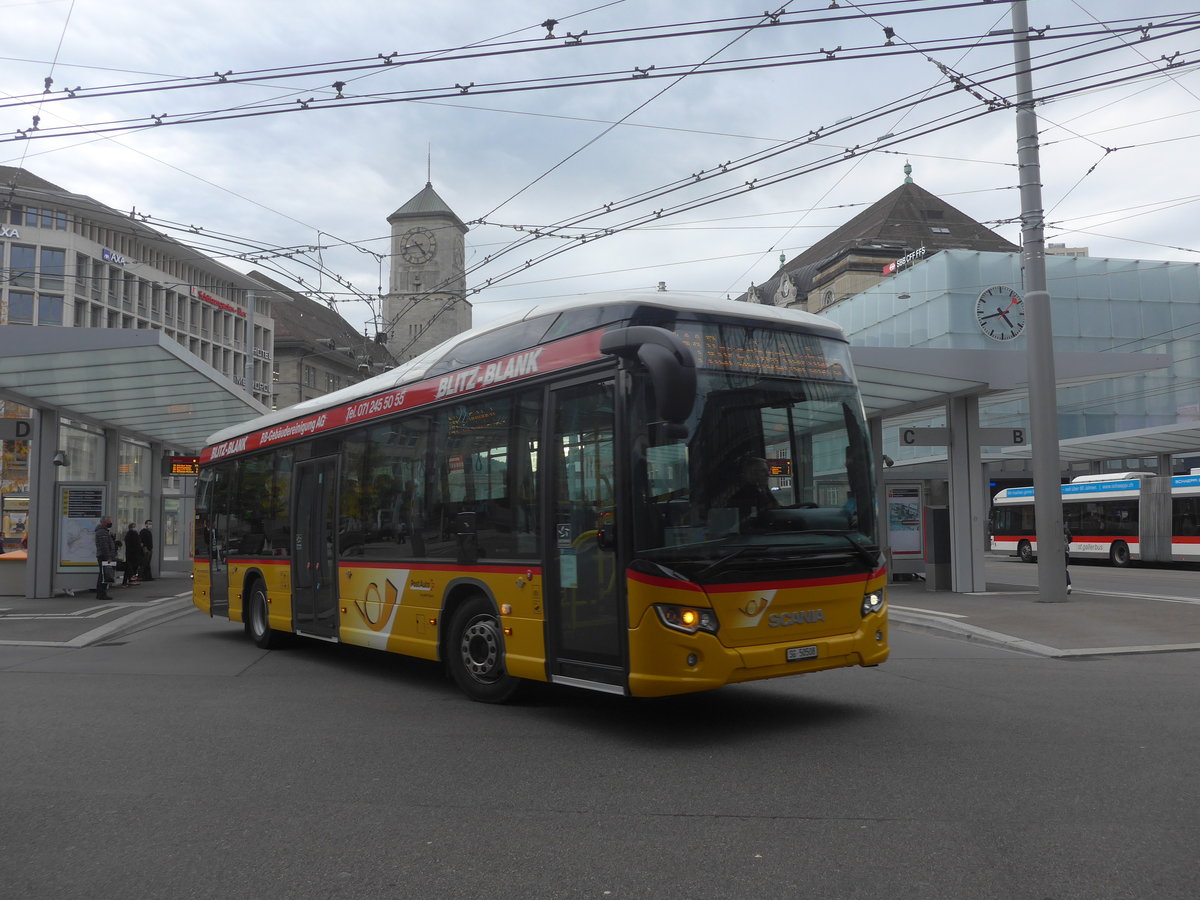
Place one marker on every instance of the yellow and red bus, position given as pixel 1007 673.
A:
pixel 558 498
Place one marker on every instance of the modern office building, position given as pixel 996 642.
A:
pixel 70 261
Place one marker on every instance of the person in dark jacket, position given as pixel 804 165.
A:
pixel 133 556
pixel 106 552
pixel 147 536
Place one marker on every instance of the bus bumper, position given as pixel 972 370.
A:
pixel 661 660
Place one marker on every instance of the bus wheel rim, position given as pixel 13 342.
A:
pixel 258 617
pixel 480 649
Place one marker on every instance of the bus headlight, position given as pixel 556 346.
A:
pixel 872 603
pixel 688 619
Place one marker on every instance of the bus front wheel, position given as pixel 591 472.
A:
pixel 475 653
pixel 1118 554
pixel 1025 551
pixel 257 623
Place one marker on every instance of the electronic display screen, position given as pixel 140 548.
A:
pixel 765 351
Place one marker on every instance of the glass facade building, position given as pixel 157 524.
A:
pixel 1097 305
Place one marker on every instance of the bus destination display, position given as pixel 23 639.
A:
pixel 759 351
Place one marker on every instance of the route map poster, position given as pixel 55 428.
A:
pixel 904 519
pixel 80 508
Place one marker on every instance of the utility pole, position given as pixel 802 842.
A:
pixel 1043 402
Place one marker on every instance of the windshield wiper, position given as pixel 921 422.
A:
pixel 720 562
pixel 871 559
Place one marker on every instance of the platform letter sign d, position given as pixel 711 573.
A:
pixel 15 429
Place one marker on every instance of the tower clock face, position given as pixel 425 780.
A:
pixel 1000 312
pixel 418 245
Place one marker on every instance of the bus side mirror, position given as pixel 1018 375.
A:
pixel 666 358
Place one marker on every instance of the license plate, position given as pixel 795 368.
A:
pixel 796 653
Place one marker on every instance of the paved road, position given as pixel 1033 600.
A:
pixel 181 761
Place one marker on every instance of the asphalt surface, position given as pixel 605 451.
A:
pixel 1009 616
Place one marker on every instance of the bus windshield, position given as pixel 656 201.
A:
pixel 776 466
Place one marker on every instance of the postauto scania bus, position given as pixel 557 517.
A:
pixel 556 498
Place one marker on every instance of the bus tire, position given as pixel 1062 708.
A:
pixel 1025 551
pixel 1118 554
pixel 475 653
pixel 257 624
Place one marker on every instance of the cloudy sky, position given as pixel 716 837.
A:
pixel 680 141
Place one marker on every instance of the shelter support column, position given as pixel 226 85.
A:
pixel 968 512
pixel 155 509
pixel 39 567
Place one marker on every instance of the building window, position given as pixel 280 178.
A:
pixel 83 267
pixel 22 263
pixel 53 269
pixel 20 308
pixel 310 376
pixel 938 230
pixel 50 310
pixel 84 446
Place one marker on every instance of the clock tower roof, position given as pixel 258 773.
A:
pixel 426 204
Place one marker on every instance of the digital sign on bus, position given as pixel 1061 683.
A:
pixel 764 351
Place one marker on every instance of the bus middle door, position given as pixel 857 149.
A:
pixel 314 560
pixel 584 590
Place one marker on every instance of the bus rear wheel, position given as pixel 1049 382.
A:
pixel 1025 551
pixel 1118 554
pixel 475 653
pixel 257 624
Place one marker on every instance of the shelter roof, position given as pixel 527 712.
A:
pixel 139 382
pixel 1144 442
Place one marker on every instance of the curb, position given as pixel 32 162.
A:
pixel 939 625
pixel 138 620
pixel 163 610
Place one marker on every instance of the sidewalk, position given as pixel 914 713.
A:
pixel 81 621
pixel 1088 624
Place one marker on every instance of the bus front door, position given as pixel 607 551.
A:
pixel 583 589
pixel 314 568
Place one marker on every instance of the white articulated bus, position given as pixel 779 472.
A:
pixel 1119 517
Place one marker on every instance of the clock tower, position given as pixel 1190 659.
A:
pixel 426 300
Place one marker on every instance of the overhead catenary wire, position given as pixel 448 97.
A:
pixel 272 107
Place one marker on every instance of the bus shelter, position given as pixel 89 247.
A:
pixel 899 382
pixel 114 384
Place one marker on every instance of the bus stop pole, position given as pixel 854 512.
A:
pixel 1043 404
